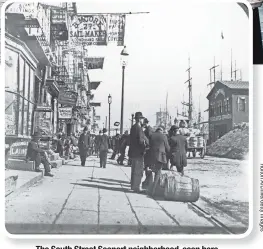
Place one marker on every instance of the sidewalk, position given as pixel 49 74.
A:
pixel 92 200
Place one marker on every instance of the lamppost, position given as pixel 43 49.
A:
pixel 109 101
pixel 124 57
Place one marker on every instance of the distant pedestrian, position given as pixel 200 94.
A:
pixel 178 144
pixel 124 142
pixel 83 144
pixel 116 146
pixel 159 149
pixel 103 148
pixel 138 143
pixel 60 145
pixel 97 141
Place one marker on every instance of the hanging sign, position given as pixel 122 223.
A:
pixel 96 118
pixel 116 29
pixel 95 104
pixel 98 30
pixel 67 98
pixel 65 113
pixel 94 62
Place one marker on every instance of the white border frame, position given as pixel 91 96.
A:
pixel 153 236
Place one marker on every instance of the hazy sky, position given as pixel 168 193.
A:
pixel 159 45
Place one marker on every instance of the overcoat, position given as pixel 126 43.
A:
pixel 137 142
pixel 159 148
pixel 178 144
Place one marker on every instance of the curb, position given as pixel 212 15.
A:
pixel 26 185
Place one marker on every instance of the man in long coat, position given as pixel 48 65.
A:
pixel 138 143
pixel 83 144
pixel 159 148
pixel 178 144
pixel 103 148
pixel 148 130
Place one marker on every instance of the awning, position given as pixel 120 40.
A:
pixel 52 87
pixel 94 85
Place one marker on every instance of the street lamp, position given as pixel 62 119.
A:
pixel 109 101
pixel 124 58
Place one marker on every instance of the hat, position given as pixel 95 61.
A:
pixel 104 130
pixel 174 128
pixel 138 115
pixel 160 128
pixel 36 134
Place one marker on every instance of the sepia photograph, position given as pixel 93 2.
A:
pixel 127 118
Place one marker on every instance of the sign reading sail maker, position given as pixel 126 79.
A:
pixel 98 30
pixel 67 98
pixel 65 112
pixel 94 62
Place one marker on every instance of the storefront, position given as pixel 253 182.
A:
pixel 20 67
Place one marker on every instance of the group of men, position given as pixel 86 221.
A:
pixel 151 150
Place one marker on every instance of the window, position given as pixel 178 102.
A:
pixel 26 103
pixel 11 84
pixel 228 104
pixel 220 107
pixel 241 104
pixel 21 92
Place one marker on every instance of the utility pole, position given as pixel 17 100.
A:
pixel 190 100
pixel 235 71
pixel 231 66
pixel 213 68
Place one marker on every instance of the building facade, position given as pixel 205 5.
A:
pixel 46 84
pixel 228 105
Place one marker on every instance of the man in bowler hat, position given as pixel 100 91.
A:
pixel 34 153
pixel 83 144
pixel 138 143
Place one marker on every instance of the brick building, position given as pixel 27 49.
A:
pixel 228 105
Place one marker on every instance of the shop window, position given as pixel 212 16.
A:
pixel 21 92
pixel 43 123
pixel 26 102
pixel 11 85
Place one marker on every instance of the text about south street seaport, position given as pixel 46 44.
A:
pixel 124 247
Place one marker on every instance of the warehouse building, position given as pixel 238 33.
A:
pixel 228 106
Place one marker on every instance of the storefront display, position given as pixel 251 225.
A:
pixel 19 88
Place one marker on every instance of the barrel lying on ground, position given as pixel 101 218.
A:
pixel 181 188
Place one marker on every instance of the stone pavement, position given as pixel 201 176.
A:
pixel 92 200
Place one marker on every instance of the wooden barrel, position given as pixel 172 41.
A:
pixel 193 142
pixel 200 142
pixel 181 188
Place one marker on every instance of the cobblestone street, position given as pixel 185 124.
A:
pixel 92 200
